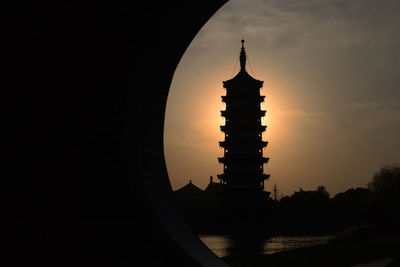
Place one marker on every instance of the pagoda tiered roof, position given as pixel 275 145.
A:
pixel 242 80
pixel 230 159
pixel 228 128
pixel 226 113
pixel 243 155
pixel 230 98
pixel 257 142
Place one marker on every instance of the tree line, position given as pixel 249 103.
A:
pixel 376 207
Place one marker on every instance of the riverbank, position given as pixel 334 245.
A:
pixel 335 253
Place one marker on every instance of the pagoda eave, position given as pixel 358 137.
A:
pixel 226 144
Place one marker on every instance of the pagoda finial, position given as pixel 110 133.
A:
pixel 242 58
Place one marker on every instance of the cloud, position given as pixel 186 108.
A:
pixel 302 24
pixel 373 120
pixel 347 48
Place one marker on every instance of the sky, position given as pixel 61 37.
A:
pixel 331 72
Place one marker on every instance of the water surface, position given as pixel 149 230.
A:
pixel 223 245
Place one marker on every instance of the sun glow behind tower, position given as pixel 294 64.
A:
pixel 331 88
pixel 193 120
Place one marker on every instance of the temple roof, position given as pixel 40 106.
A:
pixel 215 187
pixel 243 78
pixel 189 189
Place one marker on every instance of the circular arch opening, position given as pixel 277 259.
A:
pixel 321 82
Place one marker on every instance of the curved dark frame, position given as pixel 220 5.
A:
pixel 86 180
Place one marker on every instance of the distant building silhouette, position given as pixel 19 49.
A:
pixel 191 197
pixel 214 187
pixel 243 145
pixel 190 191
pixel 275 192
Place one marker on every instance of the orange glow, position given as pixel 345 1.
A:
pixel 206 106
pixel 202 120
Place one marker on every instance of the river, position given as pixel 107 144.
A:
pixel 222 245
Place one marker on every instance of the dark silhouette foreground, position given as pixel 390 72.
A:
pixel 305 212
pixel 84 86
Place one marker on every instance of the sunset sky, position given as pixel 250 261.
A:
pixel 331 72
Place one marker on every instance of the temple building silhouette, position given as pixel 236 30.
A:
pixel 243 161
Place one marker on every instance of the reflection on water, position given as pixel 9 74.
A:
pixel 224 245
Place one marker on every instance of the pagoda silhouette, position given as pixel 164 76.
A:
pixel 243 161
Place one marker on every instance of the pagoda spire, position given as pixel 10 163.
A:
pixel 242 58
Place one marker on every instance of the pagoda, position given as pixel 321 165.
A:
pixel 243 161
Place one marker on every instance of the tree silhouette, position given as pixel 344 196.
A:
pixel 322 190
pixel 386 183
pixel 351 207
pixel 385 186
